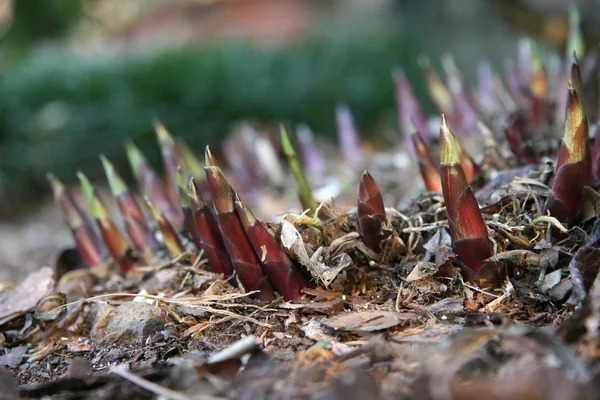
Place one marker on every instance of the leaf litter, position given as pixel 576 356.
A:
pixel 416 328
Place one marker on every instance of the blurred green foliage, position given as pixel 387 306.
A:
pixel 58 113
pixel 34 21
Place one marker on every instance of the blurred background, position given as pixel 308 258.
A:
pixel 78 77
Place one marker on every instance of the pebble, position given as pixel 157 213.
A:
pixel 128 323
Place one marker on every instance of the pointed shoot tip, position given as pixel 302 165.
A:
pixel 209 158
pixel 288 149
pixel 450 152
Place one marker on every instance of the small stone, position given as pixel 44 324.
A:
pixel 128 323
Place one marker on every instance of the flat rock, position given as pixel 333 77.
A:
pixel 128 323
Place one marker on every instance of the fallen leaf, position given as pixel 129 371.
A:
pixel 325 307
pixel 550 280
pixel 13 357
pixel 367 321
pixel 422 270
pixel 26 295
pixel 313 330
pixel 440 238
pixel 294 245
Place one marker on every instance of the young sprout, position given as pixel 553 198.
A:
pixel 312 155
pixel 577 80
pixel 285 276
pixel 429 169
pixel 151 185
pixel 595 153
pixel 170 238
pixel 245 261
pixel 190 161
pixel 469 166
pixel 504 95
pixel 135 223
pixel 461 97
pixel 209 234
pixel 564 201
pixel 486 94
pixel 409 109
pixel 468 230
pixel 169 156
pixel 518 144
pixel 370 213
pixel 578 85
pixel 538 86
pixel 439 92
pixel 304 191
pixel 348 135
pixel 87 242
pixel 493 155
pixel 189 222
pixel 514 84
pixel 117 245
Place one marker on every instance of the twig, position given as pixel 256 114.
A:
pixel 203 300
pixel 481 291
pixel 38 355
pixel 424 228
pixel 236 350
pixel 198 259
pixel 202 303
pixel 202 326
pixel 491 306
pixel 505 226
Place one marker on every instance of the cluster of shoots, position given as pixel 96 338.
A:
pixel 196 202
pixel 529 104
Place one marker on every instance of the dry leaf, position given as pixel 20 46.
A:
pixel 26 296
pixel 367 321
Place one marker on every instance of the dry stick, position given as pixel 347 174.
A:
pixel 190 303
pixel 202 326
pixel 426 227
pixel 481 291
pixel 491 306
pixel 38 355
pixel 236 350
pixel 171 301
pixel 506 227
